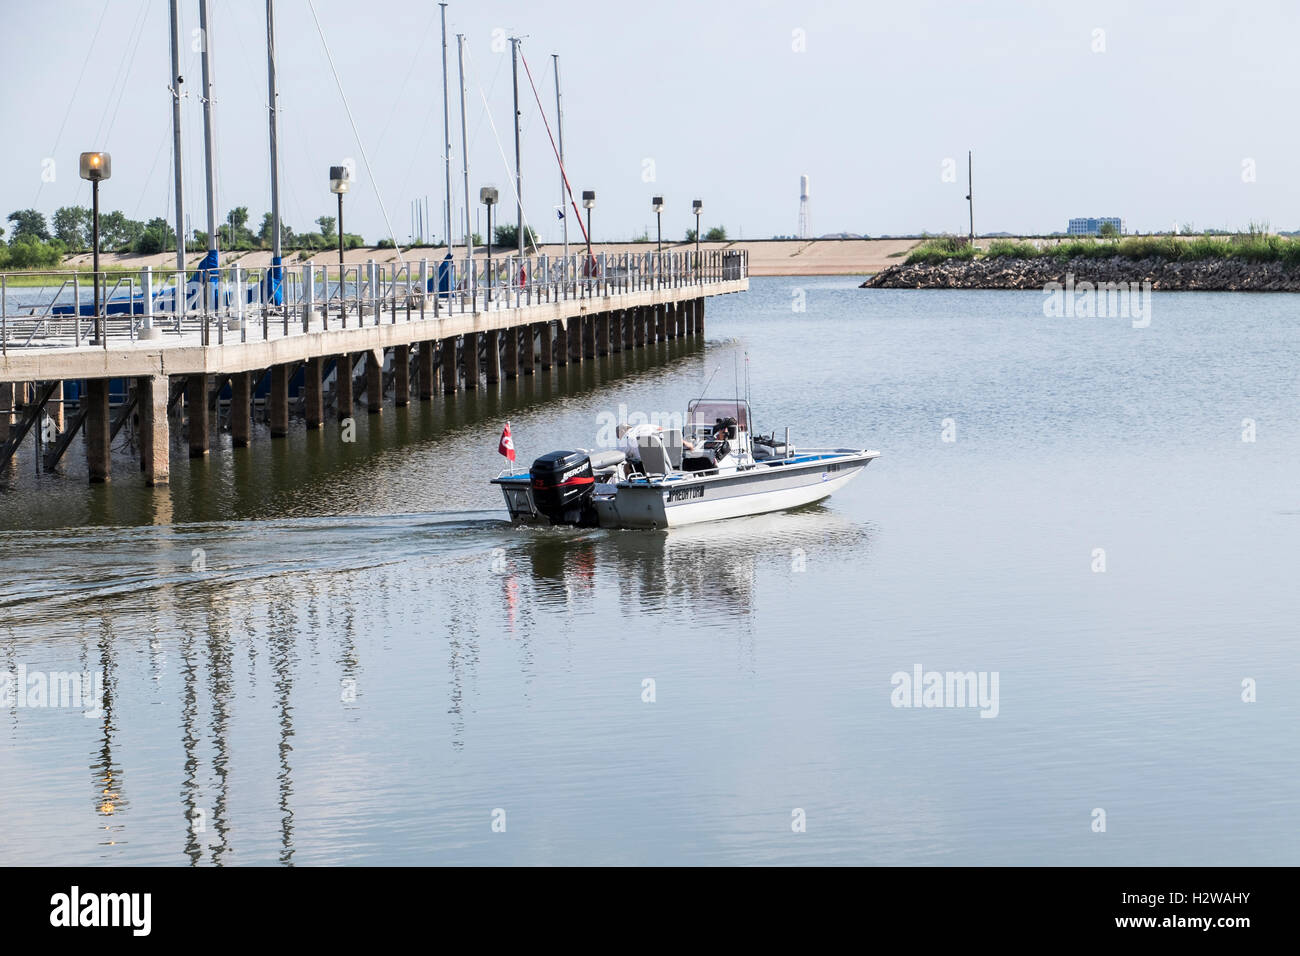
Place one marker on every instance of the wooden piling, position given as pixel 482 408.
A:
pixel 401 375
pixel 447 365
pixel 98 430
pixel 424 369
pixel 343 389
pixel 469 359
pixel 575 338
pixel 196 413
pixel 313 393
pixel 560 349
pixel 241 409
pixel 375 381
pixel 544 333
pixel 512 353
pixel 278 398
pixel 493 350
pixel 526 346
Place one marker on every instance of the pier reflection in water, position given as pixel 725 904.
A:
pixel 211 667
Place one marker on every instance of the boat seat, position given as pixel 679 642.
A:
pixel 606 460
pixel 654 457
pixel 672 439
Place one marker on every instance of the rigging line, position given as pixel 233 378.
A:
pixel 563 174
pixel 505 162
pixel 311 5
pixel 122 76
pixel 167 127
pixel 68 112
pixel 397 100
pixel 130 61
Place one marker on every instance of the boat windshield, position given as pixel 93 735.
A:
pixel 704 412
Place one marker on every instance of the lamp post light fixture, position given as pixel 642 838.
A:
pixel 487 195
pixel 588 203
pixel 340 182
pixel 657 204
pixel 698 207
pixel 96 167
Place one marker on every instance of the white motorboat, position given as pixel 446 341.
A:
pixel 713 467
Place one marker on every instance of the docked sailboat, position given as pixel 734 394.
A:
pixel 713 467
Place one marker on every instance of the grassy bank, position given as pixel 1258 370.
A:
pixel 1248 247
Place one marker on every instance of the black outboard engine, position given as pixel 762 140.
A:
pixel 563 488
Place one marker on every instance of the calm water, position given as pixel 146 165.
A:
pixel 373 662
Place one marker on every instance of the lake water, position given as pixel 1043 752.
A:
pixel 316 652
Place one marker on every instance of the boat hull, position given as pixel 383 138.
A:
pixel 671 504
pixel 688 499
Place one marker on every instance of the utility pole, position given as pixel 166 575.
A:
pixel 970 192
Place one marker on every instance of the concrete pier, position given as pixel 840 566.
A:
pixel 633 302
pixel 155 443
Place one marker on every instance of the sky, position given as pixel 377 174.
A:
pixel 1159 113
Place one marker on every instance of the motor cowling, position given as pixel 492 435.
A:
pixel 563 486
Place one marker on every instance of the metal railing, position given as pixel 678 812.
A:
pixel 238 304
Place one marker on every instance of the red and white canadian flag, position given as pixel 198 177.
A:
pixel 507 446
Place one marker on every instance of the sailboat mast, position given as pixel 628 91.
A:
pixel 446 129
pixel 209 150
pixel 272 98
pixel 464 141
pixel 559 129
pixel 519 177
pixel 176 133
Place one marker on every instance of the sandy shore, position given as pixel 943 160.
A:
pixel 774 257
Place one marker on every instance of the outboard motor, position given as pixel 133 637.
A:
pixel 563 488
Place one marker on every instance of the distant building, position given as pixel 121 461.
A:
pixel 1092 227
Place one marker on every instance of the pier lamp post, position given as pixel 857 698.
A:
pixel 96 167
pixel 588 203
pixel 657 204
pixel 488 197
pixel 340 180
pixel 698 206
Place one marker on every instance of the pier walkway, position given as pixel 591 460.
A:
pixel 413 329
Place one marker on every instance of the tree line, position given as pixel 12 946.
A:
pixel 35 243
